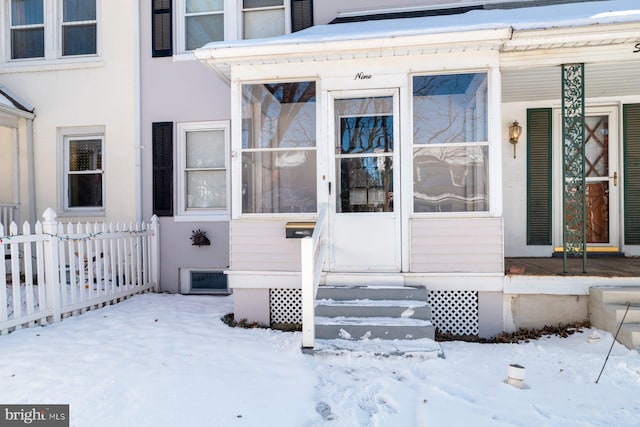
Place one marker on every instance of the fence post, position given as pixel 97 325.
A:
pixel 52 264
pixel 154 272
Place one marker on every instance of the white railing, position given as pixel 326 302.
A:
pixel 59 270
pixel 312 254
pixel 7 214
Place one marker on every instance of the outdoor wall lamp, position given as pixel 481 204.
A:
pixel 514 134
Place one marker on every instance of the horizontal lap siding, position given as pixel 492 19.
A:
pixel 262 246
pixel 457 245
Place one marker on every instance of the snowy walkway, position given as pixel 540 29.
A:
pixel 167 360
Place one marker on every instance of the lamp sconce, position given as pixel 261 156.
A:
pixel 514 134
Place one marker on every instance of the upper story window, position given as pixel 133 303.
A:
pixel 204 22
pixel 79 27
pixel 199 22
pixel 27 29
pixel 263 18
pixel 48 30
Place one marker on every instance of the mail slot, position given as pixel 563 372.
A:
pixel 298 230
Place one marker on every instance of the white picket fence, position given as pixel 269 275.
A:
pixel 55 271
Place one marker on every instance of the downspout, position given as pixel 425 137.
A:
pixel 137 127
pixel 31 175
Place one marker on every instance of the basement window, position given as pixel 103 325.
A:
pixel 209 282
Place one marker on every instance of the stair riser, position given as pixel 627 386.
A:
pixel 372 332
pixel 353 293
pixel 423 313
pixel 615 295
pixel 629 338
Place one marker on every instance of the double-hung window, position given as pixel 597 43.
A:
pixel 450 143
pixel 50 30
pixel 203 21
pixel 263 18
pixel 27 29
pixel 84 185
pixel 202 174
pixel 78 27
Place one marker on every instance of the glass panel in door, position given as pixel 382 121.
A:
pixel 597 177
pixel 365 223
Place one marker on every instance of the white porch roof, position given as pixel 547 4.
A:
pixel 11 104
pixel 508 30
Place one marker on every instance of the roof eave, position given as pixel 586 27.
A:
pixel 222 58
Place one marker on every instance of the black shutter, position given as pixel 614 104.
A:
pixel 161 34
pixel 301 14
pixel 539 137
pixel 631 130
pixel 163 168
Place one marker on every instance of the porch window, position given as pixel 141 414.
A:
pixel 79 27
pixel 279 148
pixel 450 143
pixel 27 29
pixel 202 156
pixel 84 167
pixel 263 18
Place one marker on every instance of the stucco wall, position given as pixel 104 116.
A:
pixel 100 92
pixel 537 311
pixel 179 91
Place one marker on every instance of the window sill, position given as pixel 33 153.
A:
pixel 23 66
pixel 184 56
pixel 202 217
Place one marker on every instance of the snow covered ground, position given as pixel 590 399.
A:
pixel 168 360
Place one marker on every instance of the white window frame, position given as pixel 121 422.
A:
pixel 233 28
pixel 61 24
pixel 185 282
pixel 285 7
pixel 486 143
pixel 79 133
pixel 200 214
pixel 53 16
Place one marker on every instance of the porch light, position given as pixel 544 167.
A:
pixel 514 134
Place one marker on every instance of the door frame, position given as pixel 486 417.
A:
pixel 397 246
pixel 615 197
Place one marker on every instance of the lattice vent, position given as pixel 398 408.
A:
pixel 285 305
pixel 455 312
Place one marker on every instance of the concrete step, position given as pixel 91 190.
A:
pixel 338 293
pixel 614 295
pixel 357 328
pixel 421 349
pixel 609 316
pixel 365 308
pixel 630 335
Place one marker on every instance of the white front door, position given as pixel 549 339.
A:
pixel 364 205
pixel 602 177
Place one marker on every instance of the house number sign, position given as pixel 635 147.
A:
pixel 636 48
pixel 363 76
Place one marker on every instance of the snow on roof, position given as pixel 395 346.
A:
pixel 10 100
pixel 524 18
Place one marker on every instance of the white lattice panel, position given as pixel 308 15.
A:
pixel 455 312
pixel 285 305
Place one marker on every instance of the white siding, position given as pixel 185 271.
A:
pixel 261 245
pixel 457 245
